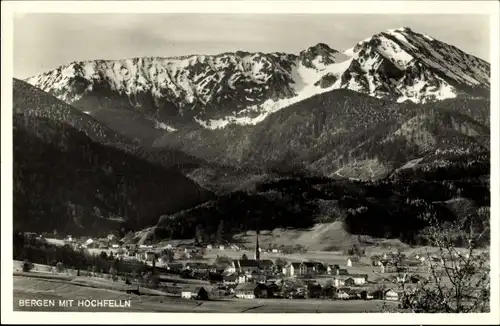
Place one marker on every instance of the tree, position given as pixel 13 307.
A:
pixel 59 267
pixel 280 263
pixel 113 273
pixel 220 232
pixel 134 274
pixel 223 261
pixel 151 280
pixel 459 280
pixel 103 255
pixel 27 266
pixel 168 256
pixel 313 290
pixel 244 257
pixel 199 234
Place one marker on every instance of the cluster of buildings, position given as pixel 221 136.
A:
pixel 263 278
pixel 259 278
pixel 298 291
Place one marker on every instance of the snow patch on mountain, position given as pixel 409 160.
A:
pixel 164 126
pixel 305 86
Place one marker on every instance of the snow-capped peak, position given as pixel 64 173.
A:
pixel 244 88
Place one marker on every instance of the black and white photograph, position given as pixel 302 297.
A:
pixel 250 162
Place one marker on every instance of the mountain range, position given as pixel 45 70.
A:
pixel 203 138
pixel 243 88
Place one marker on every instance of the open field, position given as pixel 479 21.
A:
pixel 36 288
pixel 320 237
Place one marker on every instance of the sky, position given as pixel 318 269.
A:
pixel 45 41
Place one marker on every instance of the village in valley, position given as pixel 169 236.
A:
pixel 195 271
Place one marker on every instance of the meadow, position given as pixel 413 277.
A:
pixel 37 288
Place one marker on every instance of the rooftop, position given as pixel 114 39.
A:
pixel 246 287
pixel 248 263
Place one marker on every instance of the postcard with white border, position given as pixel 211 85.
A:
pixel 292 161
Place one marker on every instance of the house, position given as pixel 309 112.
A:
pixel 251 291
pixel 197 267
pixel 247 266
pixel 300 269
pixel 258 277
pixel 164 260
pixel 291 269
pixel 213 269
pixel 391 295
pixel 415 279
pixel 139 255
pixel 242 278
pixel 343 280
pixel 341 271
pixel 245 291
pixel 115 246
pixel 358 294
pixel 321 268
pixel 332 269
pixel 308 268
pixel 230 278
pixel 365 295
pixel 349 262
pixel 401 278
pixel 359 279
pixel 231 267
pixel 221 247
pixel 194 292
pixel 209 247
pixel 349 281
pixel 375 259
pixel 189 249
pixel 174 267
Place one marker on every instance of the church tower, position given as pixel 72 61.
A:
pixel 257 249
